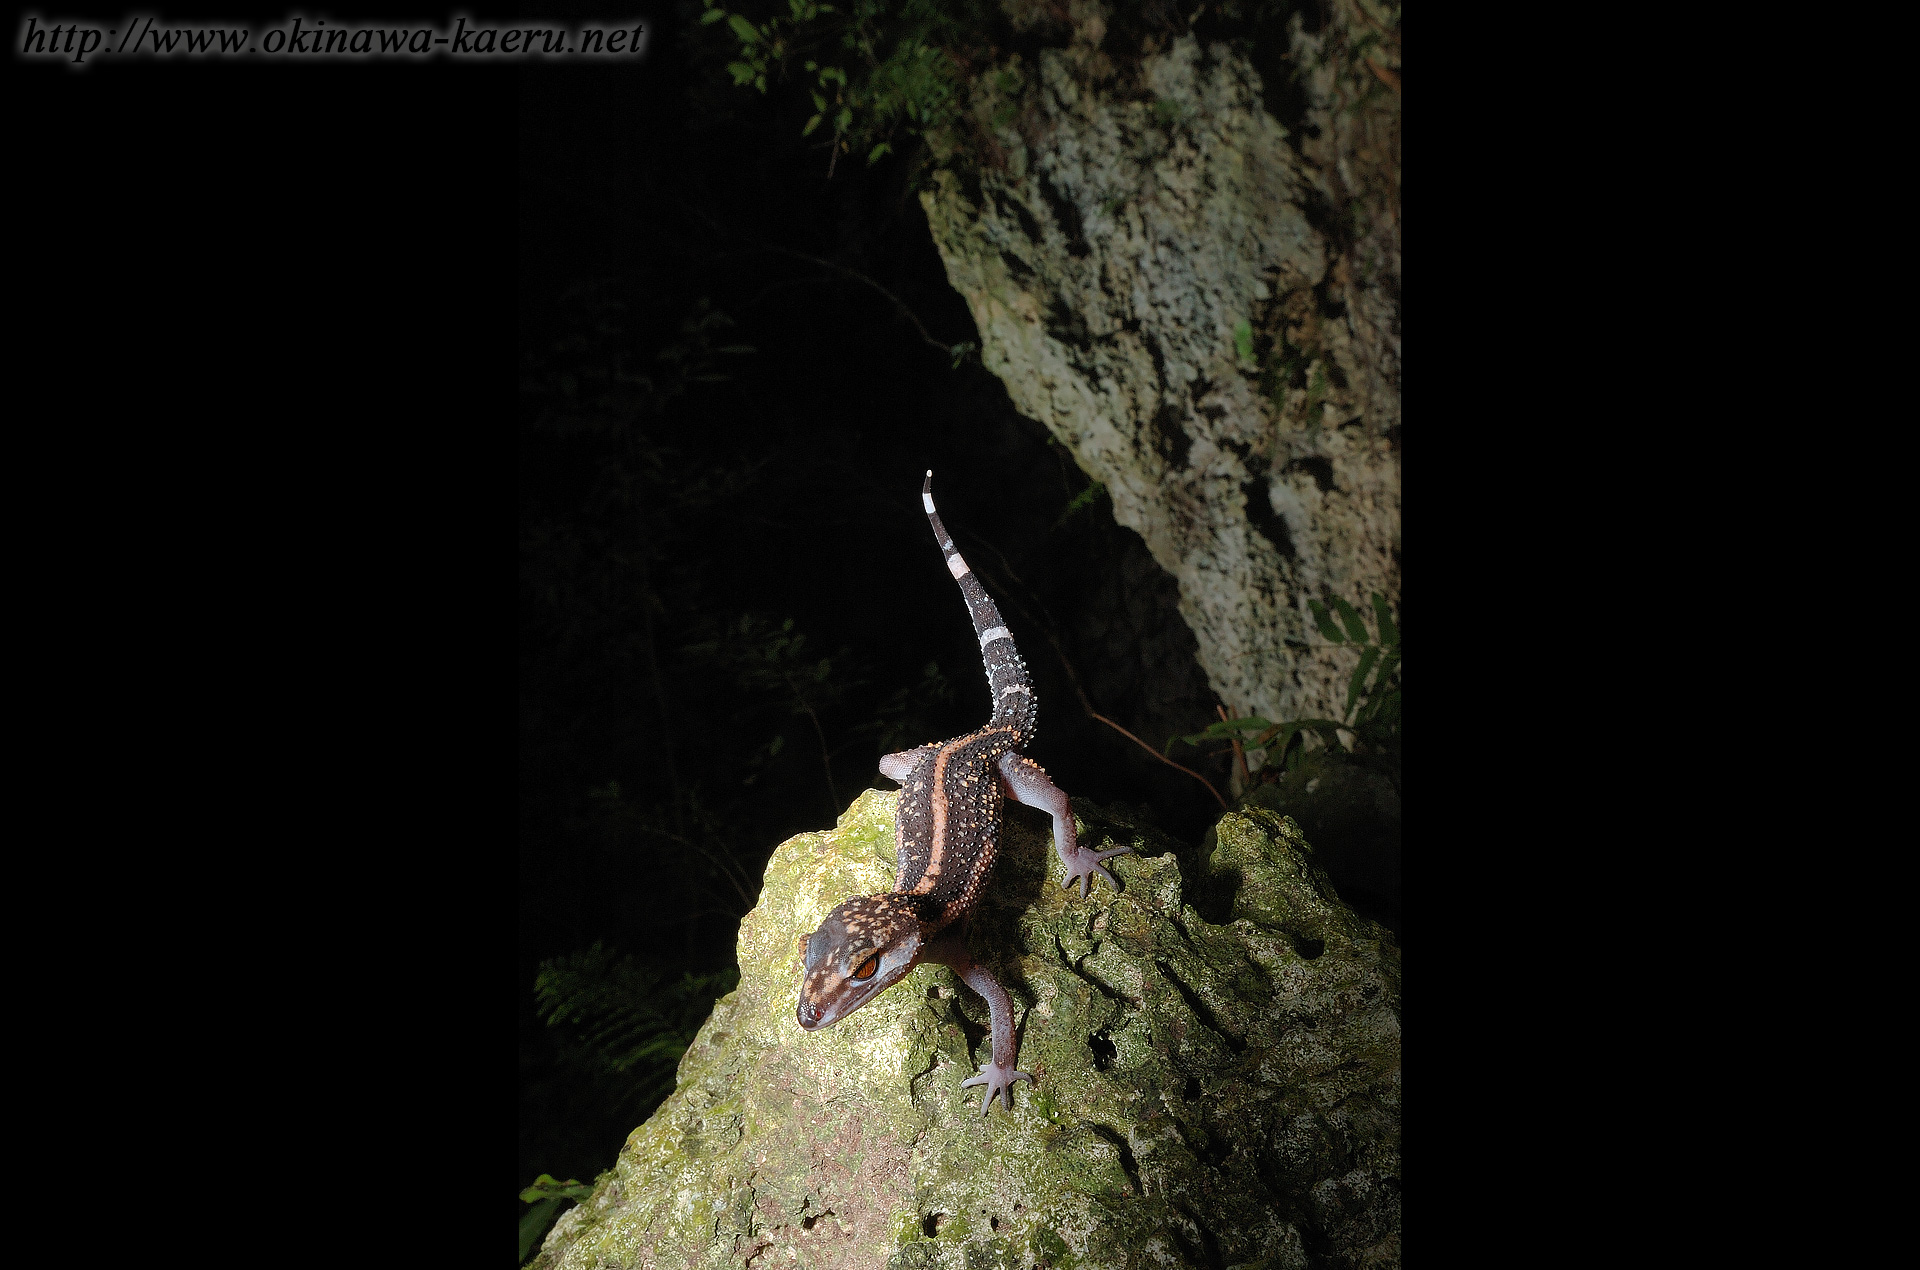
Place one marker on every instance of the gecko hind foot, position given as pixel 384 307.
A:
pixel 1085 864
pixel 998 1080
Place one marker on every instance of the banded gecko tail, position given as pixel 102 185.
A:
pixel 1013 703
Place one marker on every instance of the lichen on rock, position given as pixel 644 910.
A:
pixel 1201 303
pixel 1218 1061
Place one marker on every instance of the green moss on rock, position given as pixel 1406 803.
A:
pixel 1211 1092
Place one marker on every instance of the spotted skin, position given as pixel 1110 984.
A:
pixel 946 837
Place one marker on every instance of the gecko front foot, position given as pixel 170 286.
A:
pixel 998 1080
pixel 1081 864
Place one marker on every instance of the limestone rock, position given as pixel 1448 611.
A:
pixel 1218 1064
pixel 1202 303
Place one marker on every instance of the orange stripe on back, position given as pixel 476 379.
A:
pixel 937 846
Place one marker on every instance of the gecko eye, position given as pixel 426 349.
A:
pixel 867 969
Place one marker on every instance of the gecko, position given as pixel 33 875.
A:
pixel 946 838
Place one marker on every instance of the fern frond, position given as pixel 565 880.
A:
pixel 632 1019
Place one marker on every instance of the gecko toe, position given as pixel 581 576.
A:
pixel 999 1083
pixel 1083 865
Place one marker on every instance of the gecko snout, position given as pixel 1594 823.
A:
pixel 809 1015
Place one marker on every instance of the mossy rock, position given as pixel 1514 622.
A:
pixel 1215 1089
pixel 1351 814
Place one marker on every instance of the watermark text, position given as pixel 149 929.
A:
pixel 81 42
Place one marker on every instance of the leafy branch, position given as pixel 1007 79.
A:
pixel 1372 712
pixel 770 663
pixel 903 79
pixel 630 1018
pixel 630 1024
pixel 548 1197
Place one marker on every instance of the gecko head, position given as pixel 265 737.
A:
pixel 864 947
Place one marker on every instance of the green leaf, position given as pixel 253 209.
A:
pixel 879 152
pixel 820 103
pixel 534 1223
pixel 1243 340
pixel 841 120
pixel 712 16
pixel 1383 700
pixel 1278 748
pixel 1383 709
pixel 1327 729
pixel 1225 730
pixel 545 1187
pixel 1360 674
pixel 1325 623
pixel 744 29
pixel 1197 739
pixel 1389 633
pixel 1084 499
pixel 811 125
pixel 1356 629
pixel 740 71
pixel 760 82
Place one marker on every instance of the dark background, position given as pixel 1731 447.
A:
pixel 655 517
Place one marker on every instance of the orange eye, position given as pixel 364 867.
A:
pixel 867 968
